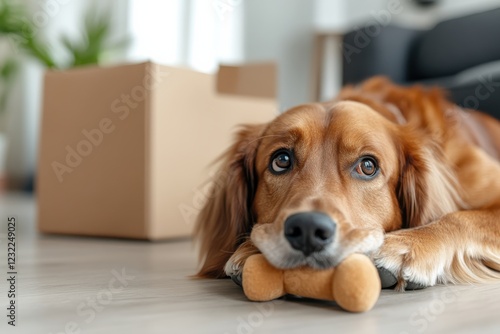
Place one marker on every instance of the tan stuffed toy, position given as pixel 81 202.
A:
pixel 354 284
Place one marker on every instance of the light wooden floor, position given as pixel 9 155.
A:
pixel 60 277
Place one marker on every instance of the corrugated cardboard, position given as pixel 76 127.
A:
pixel 258 80
pixel 124 150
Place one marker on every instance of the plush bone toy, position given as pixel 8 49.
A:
pixel 354 284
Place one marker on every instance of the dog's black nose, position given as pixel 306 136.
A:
pixel 309 231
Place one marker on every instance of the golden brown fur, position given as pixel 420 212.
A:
pixel 431 214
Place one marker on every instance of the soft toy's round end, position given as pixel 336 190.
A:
pixel 357 284
pixel 261 281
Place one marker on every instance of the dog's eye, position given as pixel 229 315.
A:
pixel 281 161
pixel 366 167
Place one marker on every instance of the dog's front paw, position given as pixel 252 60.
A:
pixel 234 266
pixel 410 259
pixel 234 270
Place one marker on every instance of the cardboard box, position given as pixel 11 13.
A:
pixel 124 151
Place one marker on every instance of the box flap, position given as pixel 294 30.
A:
pixel 257 80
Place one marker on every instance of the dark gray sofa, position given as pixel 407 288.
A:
pixel 461 55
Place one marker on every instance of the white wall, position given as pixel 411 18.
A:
pixel 215 34
pixel 282 30
pixel 198 34
pixel 156 30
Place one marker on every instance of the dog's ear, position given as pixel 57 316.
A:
pixel 226 218
pixel 427 188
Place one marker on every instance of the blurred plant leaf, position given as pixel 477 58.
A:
pixel 7 73
pixel 15 23
pixel 95 41
pixel 8 69
pixel 11 17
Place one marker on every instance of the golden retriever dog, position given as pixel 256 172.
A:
pixel 398 173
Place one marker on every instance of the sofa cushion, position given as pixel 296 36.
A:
pixel 474 88
pixel 457 44
pixel 386 53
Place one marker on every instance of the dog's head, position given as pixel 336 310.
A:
pixel 321 182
